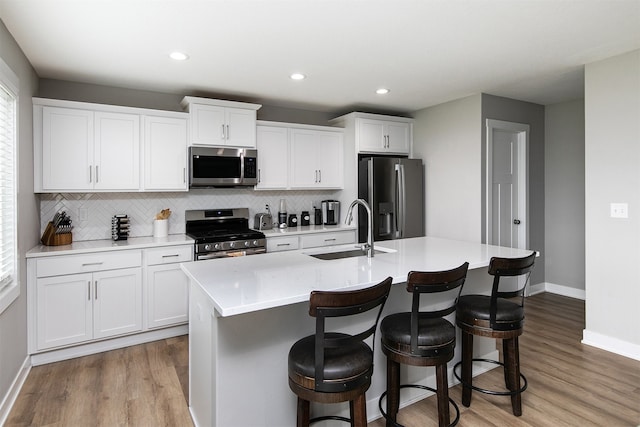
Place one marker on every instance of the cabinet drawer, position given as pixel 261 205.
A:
pixel 275 244
pixel 169 255
pixel 327 239
pixel 99 261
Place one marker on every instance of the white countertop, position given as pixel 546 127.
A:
pixel 306 229
pixel 109 245
pixel 251 283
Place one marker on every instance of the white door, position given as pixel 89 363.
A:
pixel 117 151
pixel 165 153
pixel 168 295
pixel 117 302
pixel 67 149
pixel 240 127
pixel 303 164
pixel 273 161
pixel 506 184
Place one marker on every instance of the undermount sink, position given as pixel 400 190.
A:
pixel 345 254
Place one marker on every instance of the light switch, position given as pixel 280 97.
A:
pixel 619 210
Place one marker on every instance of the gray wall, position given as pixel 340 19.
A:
pixel 612 160
pixel 447 138
pixel 13 321
pixel 83 92
pixel 511 110
pixel 564 194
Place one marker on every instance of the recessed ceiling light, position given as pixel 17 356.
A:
pixel 178 56
pixel 297 76
pixel 382 91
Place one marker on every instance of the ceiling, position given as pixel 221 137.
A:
pixel 425 51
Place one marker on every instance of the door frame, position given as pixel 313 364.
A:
pixel 523 177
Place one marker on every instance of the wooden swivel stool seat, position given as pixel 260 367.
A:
pixel 332 367
pixel 496 316
pixel 423 338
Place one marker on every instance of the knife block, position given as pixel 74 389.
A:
pixel 50 238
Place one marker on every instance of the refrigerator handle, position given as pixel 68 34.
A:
pixel 400 200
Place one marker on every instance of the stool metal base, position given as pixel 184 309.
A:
pixel 423 387
pixel 484 390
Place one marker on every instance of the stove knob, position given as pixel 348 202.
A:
pixel 232 244
pixel 255 243
pixel 247 243
pixel 207 247
pixel 216 246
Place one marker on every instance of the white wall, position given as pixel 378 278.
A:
pixel 13 321
pixel 448 139
pixel 564 196
pixel 612 174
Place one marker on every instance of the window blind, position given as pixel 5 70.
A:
pixel 7 187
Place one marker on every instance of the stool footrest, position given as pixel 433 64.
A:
pixel 484 390
pixel 330 417
pixel 423 387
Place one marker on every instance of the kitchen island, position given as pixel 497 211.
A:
pixel 246 312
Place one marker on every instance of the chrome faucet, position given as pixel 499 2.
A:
pixel 369 245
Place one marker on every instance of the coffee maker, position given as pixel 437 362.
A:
pixel 330 212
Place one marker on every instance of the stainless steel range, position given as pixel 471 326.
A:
pixel 222 233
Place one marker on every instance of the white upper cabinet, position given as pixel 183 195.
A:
pixel 165 153
pixel 298 156
pixel 273 157
pixel 86 150
pixel 373 133
pixel 82 147
pixel 316 159
pixel 221 123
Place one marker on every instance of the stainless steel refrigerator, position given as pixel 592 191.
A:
pixel 394 189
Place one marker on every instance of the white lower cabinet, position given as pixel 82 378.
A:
pixel 167 287
pixel 81 307
pixel 310 240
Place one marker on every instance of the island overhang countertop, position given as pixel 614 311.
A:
pixel 252 283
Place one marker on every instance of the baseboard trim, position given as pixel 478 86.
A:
pixel 613 345
pixel 553 288
pixel 14 390
pixel 111 344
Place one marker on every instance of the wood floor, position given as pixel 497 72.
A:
pixel 570 384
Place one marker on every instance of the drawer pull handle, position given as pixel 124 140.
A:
pixel 96 289
pixel 92 263
pixel 329 240
pixel 170 256
pixel 283 244
pixel 88 290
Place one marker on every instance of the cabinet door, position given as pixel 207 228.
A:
pixel 273 157
pixel 207 124
pixel 67 149
pixel 165 153
pixel 303 163
pixel 167 295
pixel 330 160
pixel 241 127
pixel 371 135
pixel 117 151
pixel 399 137
pixel 63 310
pixel 117 302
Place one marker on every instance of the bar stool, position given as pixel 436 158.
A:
pixel 332 367
pixel 497 317
pixel 422 338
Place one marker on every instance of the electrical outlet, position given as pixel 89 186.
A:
pixel 83 214
pixel 619 210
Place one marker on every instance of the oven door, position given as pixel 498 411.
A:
pixel 222 167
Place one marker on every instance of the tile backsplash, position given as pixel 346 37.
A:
pixel 91 212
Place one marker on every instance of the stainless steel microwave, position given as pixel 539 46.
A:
pixel 222 167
